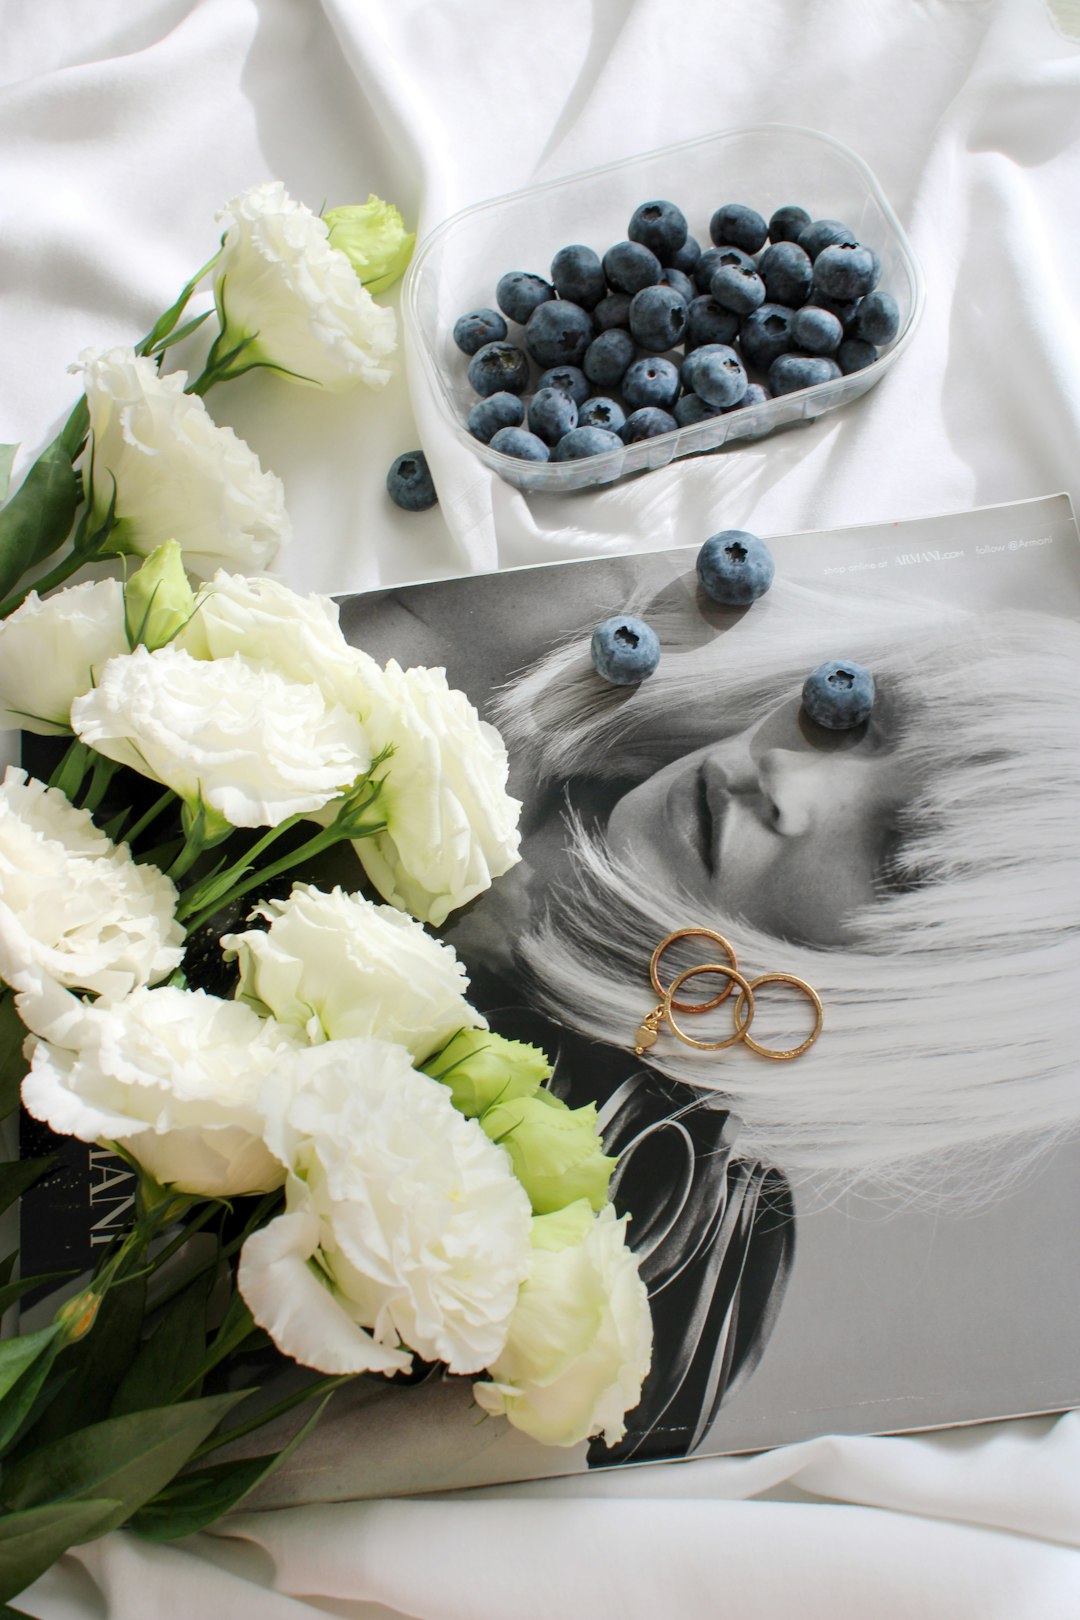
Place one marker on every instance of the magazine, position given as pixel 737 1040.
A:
pixel 804 1279
pixel 875 1236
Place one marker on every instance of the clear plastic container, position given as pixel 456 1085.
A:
pixel 767 165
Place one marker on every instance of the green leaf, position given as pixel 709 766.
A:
pixel 93 1366
pixel 198 1499
pixel 8 453
pixel 16 1355
pixel 13 1065
pixel 181 333
pixel 38 517
pixel 165 325
pixel 12 1291
pixel 17 1175
pixel 30 1542
pixel 25 1363
pixel 129 1459
pixel 168 1363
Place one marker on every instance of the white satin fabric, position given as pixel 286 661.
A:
pixel 123 129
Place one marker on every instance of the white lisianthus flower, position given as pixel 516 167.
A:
pixel 580 1341
pixel 336 965
pixel 295 302
pixel 451 825
pixel 178 476
pixel 405 1228
pixel 171 1075
pixel 75 909
pixel 51 649
pixel 233 736
pixel 299 636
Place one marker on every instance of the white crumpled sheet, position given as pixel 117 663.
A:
pixel 123 128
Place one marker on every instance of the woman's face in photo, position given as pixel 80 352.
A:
pixel 784 825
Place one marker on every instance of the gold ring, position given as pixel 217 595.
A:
pixel 746 1000
pixel 691 933
pixel 819 1018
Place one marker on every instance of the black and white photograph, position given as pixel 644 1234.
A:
pixel 874 1236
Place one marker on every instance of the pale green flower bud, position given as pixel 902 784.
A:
pixel 556 1152
pixel 158 600
pixel 373 238
pixel 482 1068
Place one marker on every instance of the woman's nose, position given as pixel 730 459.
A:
pixel 795 787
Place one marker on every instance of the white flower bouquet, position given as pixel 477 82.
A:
pixel 338 1163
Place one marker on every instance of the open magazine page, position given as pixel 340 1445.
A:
pixel 876 1237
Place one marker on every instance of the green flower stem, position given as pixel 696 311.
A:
pixel 56 576
pixel 68 775
pixel 102 774
pixel 314 846
pixel 155 810
pixel 206 891
pixel 322 1386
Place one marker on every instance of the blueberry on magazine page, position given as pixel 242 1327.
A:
pixel 874 1237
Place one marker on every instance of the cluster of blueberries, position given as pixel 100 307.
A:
pixel 805 310
pixel 734 568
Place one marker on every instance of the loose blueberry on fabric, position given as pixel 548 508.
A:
pixel 735 567
pixel 624 650
pixel 838 695
pixel 409 482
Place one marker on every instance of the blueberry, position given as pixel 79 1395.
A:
pixel 815 331
pixel 786 270
pixel 519 292
pixel 854 354
pixel 740 226
pixel 571 379
pixel 559 333
pixel 679 282
pixel 647 423
pixel 838 695
pixel 578 275
pixel 515 441
pixel 551 414
pixel 787 222
pixel 822 233
pixel 614 310
pixel 409 482
pixel 660 226
pixel 845 309
pixel 877 319
pixel 710 322
pixel 658 317
pixel 586 441
pixel 716 373
pixel 498 368
pixel 497 411
pixel 845 270
pixel 624 650
pixel 687 256
pixel 651 381
pixel 756 394
pixel 735 567
pixel 737 289
pixel 629 266
pixel 765 334
pixel 790 372
pixel 608 356
pixel 691 409
pixel 715 258
pixel 599 412
pixel 478 327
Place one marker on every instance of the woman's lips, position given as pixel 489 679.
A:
pixel 694 809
